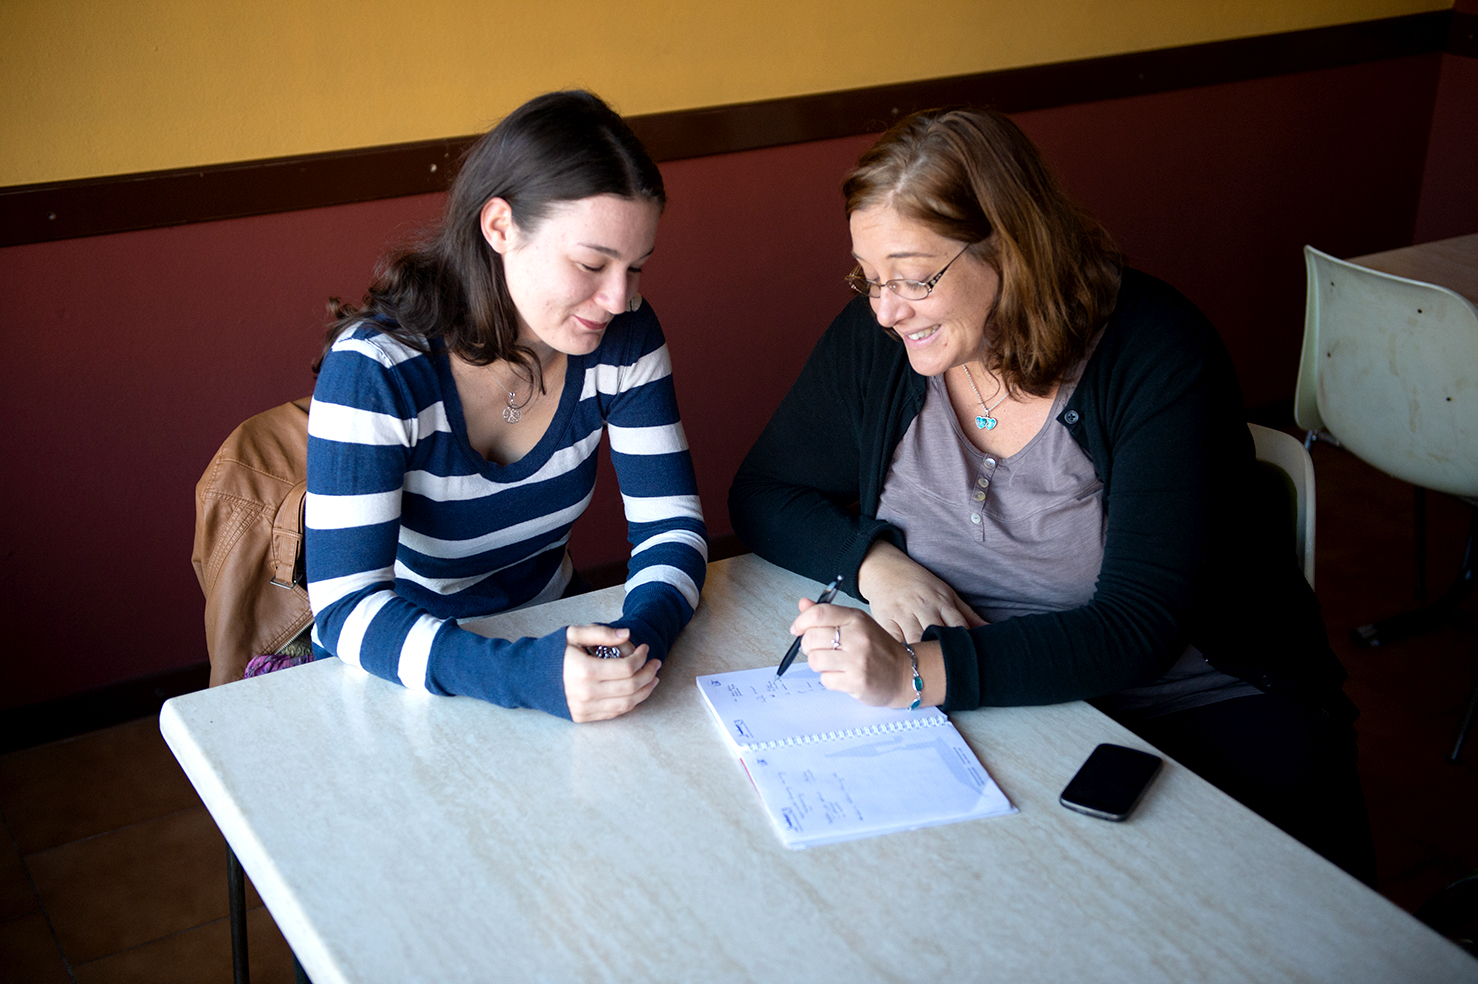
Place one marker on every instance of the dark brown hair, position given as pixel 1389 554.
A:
pixel 971 175
pixel 558 147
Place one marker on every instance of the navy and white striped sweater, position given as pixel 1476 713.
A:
pixel 409 530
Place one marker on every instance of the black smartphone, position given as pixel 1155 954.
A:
pixel 1111 783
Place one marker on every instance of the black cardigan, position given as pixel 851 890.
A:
pixel 1195 549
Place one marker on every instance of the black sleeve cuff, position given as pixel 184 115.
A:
pixel 961 667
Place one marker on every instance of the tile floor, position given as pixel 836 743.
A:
pixel 112 871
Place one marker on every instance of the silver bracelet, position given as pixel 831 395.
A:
pixel 918 681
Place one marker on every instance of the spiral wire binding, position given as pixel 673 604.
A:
pixel 909 724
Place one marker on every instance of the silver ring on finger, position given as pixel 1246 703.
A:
pixel 836 639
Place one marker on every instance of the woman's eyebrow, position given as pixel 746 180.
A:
pixel 614 253
pixel 902 256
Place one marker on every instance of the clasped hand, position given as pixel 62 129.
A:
pixel 597 689
pixel 906 598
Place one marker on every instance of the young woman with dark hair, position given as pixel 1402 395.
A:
pixel 1034 464
pixel 457 415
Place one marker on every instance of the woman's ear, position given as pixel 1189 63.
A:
pixel 496 222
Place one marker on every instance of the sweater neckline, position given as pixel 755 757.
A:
pixel 541 452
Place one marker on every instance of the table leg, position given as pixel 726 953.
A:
pixel 236 890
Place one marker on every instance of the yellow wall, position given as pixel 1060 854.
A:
pixel 89 89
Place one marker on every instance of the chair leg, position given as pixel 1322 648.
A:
pixel 1408 624
pixel 236 890
pixel 1320 435
pixel 1419 532
pixel 1453 912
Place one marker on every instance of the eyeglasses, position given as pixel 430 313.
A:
pixel 909 290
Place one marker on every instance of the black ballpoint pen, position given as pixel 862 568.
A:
pixel 828 593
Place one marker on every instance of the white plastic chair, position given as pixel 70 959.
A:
pixel 1289 455
pixel 1390 368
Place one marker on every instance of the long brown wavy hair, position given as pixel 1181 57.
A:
pixel 558 147
pixel 971 175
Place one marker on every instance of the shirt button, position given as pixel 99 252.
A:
pixel 1071 417
pixel 990 462
pixel 983 482
pixel 979 496
pixel 975 518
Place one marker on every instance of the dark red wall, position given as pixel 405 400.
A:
pixel 1218 189
pixel 1449 202
pixel 130 357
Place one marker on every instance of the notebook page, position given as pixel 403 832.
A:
pixel 836 791
pixel 755 708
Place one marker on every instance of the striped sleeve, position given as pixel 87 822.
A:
pixel 659 491
pixel 365 421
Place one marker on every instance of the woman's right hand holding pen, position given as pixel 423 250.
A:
pixel 854 655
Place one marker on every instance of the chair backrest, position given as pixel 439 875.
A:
pixel 1288 455
pixel 1390 368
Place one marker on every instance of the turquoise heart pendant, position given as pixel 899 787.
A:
pixel 985 423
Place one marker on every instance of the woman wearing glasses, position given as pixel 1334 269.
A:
pixel 458 412
pixel 1033 463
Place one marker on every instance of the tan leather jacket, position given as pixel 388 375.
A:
pixel 249 540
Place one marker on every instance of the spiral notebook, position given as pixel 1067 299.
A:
pixel 829 769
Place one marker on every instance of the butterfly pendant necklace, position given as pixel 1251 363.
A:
pixel 513 412
pixel 983 421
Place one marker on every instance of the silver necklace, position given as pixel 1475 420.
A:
pixel 983 421
pixel 513 412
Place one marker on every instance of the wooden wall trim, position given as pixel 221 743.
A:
pixel 96 206
pixel 77 714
